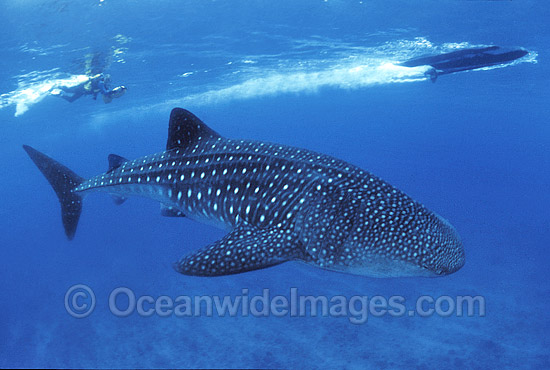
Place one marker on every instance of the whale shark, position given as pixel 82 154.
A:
pixel 278 204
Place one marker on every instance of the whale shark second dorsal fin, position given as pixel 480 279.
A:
pixel 115 161
pixel 186 129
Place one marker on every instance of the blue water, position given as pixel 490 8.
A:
pixel 473 147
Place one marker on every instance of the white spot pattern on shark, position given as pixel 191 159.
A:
pixel 280 204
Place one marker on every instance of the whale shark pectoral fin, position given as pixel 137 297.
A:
pixel 168 211
pixel 246 248
pixel 185 129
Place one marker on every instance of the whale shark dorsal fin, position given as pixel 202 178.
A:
pixel 115 161
pixel 246 248
pixel 186 129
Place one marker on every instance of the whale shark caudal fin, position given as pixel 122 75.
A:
pixel 63 181
pixel 246 248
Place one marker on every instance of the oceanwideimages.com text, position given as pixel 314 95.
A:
pixel 80 302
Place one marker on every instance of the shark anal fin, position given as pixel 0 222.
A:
pixel 63 181
pixel 115 161
pixel 246 248
pixel 168 211
pixel 118 199
pixel 186 129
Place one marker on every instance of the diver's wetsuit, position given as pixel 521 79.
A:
pixel 102 88
pixel 70 94
pixel 93 86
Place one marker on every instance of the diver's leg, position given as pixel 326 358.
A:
pixel 72 97
pixel 67 93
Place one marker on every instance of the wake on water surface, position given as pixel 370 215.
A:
pixel 354 67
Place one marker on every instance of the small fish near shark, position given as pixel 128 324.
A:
pixel 279 204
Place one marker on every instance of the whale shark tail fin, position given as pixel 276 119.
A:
pixel 63 181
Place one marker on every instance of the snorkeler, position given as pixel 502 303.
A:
pixel 466 60
pixel 91 85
